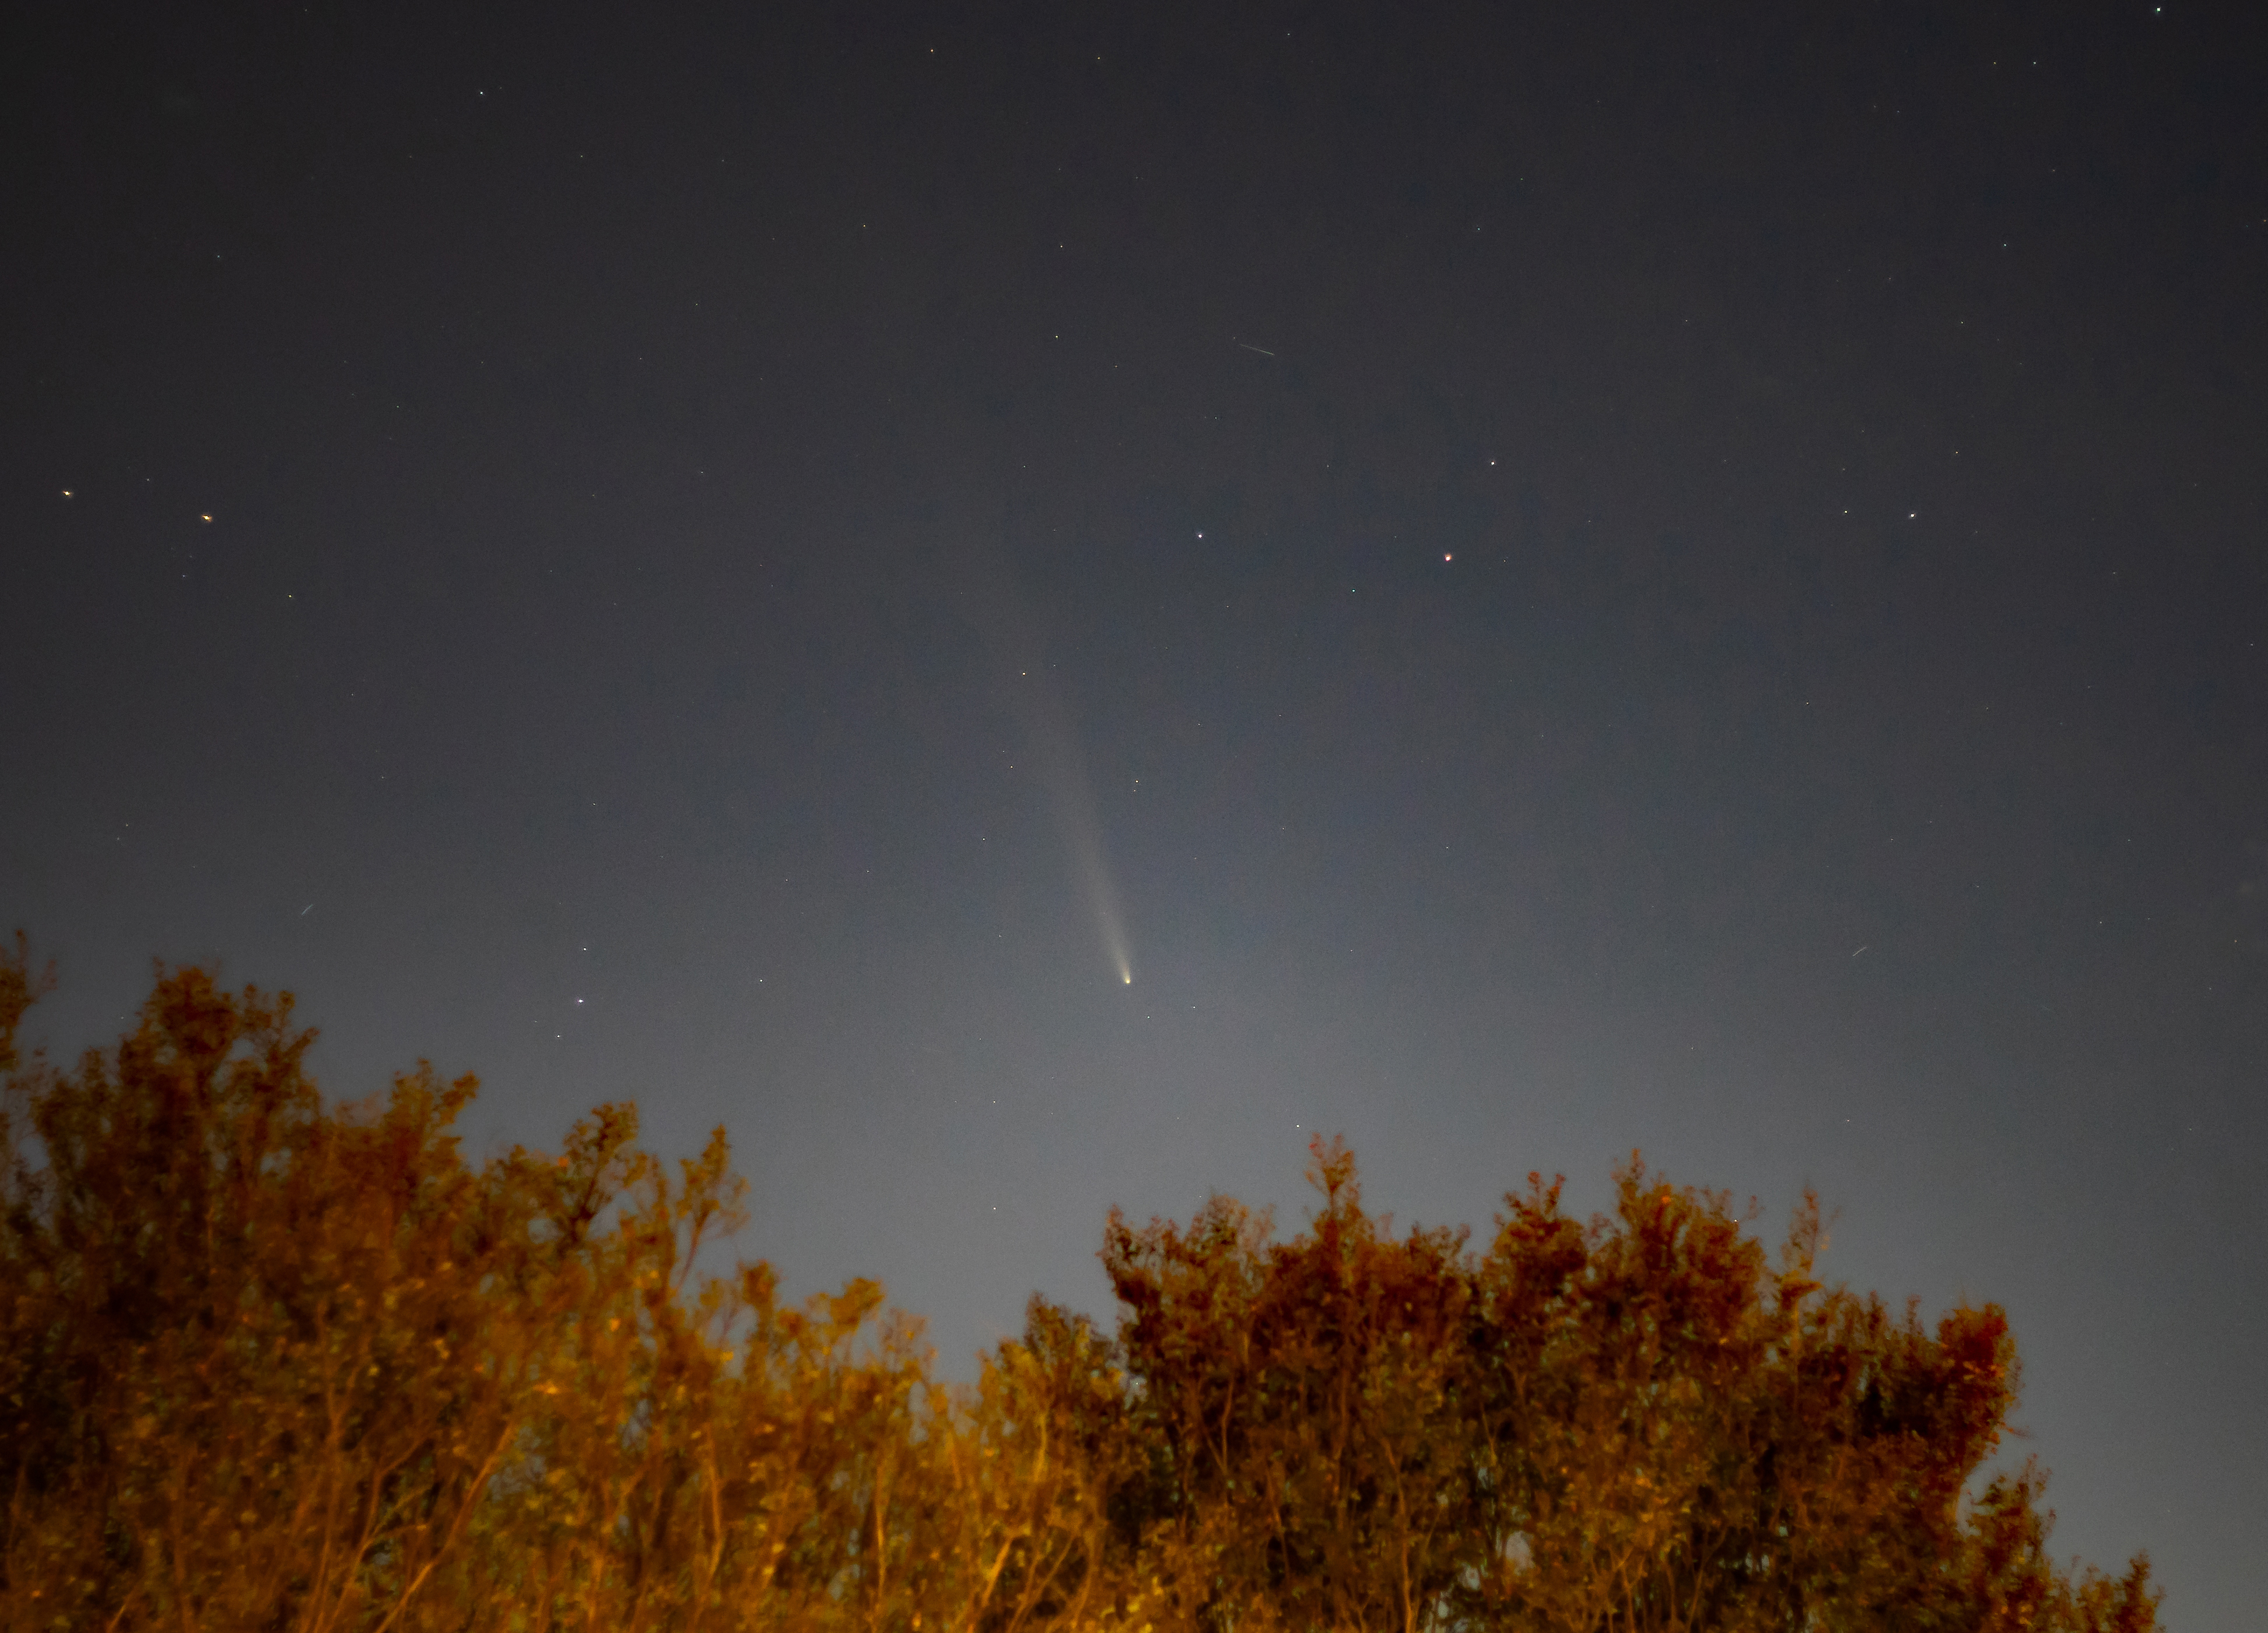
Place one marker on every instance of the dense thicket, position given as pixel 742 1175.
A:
pixel 266 1363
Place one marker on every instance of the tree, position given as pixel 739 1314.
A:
pixel 271 1361
pixel 1639 1423
pixel 255 1359
pixel 1308 1402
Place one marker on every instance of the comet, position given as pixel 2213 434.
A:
pixel 1063 771
pixel 1020 660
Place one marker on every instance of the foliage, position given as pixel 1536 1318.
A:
pixel 268 1363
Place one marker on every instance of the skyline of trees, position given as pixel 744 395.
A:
pixel 267 1361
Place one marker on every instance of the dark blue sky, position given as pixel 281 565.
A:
pixel 1587 583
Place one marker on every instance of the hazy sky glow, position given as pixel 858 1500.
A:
pixel 1544 585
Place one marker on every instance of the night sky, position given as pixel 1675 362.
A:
pixel 1544 581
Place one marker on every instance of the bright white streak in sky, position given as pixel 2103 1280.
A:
pixel 1064 769
pixel 1012 637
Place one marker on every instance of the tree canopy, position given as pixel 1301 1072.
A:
pixel 269 1361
